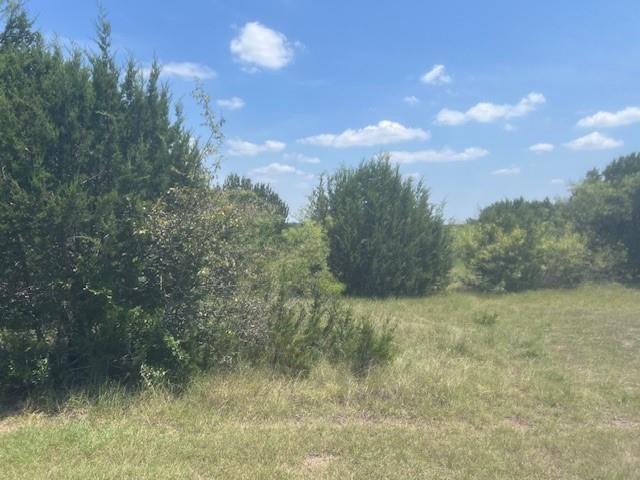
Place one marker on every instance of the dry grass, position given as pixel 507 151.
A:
pixel 550 390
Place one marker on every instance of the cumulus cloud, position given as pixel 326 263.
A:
pixel 384 133
pixel 542 148
pixel 238 148
pixel 626 116
pixel 274 169
pixel 594 141
pixel 412 101
pixel 485 112
pixel 506 171
pixel 436 76
pixel 300 158
pixel 184 70
pixel 233 103
pixel 257 46
pixel 443 155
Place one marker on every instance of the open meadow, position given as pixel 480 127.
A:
pixel 544 384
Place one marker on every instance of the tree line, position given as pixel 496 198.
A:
pixel 594 234
pixel 123 259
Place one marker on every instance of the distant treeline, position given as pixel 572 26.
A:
pixel 592 235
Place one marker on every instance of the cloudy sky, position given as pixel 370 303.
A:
pixel 484 100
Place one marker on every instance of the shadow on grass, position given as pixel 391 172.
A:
pixel 55 401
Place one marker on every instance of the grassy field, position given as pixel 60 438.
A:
pixel 548 389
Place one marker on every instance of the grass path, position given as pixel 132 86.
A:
pixel 550 389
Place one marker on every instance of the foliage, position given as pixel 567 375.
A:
pixel 120 261
pixel 605 207
pixel 501 259
pixel 564 259
pixel 301 332
pixel 299 264
pixel 516 245
pixel 86 150
pixel 385 237
pixel 486 319
pixel 244 190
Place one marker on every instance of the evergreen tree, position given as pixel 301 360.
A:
pixel 385 237
pixel 261 192
pixel 83 157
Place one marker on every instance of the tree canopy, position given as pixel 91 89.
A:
pixel 385 236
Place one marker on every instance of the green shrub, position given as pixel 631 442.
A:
pixel 300 333
pixel 83 160
pixel 516 245
pixel 501 260
pixel 564 260
pixel 299 263
pixel 486 319
pixel 605 208
pixel 385 237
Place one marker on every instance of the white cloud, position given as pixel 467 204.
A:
pixel 436 76
pixel 233 103
pixel 412 101
pixel 443 155
pixel 258 46
pixel 542 148
pixel 557 181
pixel 485 112
pixel 274 168
pixel 239 147
pixel 508 127
pixel 184 70
pixel 594 141
pixel 384 133
pixel 611 119
pixel 506 171
pixel 300 158
pixel 269 172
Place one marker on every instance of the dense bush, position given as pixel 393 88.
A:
pixel 565 260
pixel 299 264
pixel 499 259
pixel 201 248
pixel 385 237
pixel 517 245
pixel 300 333
pixel 119 260
pixel 605 207
pixel 86 150
pixel 521 213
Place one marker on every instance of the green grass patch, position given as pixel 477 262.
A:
pixel 547 389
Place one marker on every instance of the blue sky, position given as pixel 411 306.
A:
pixel 485 100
